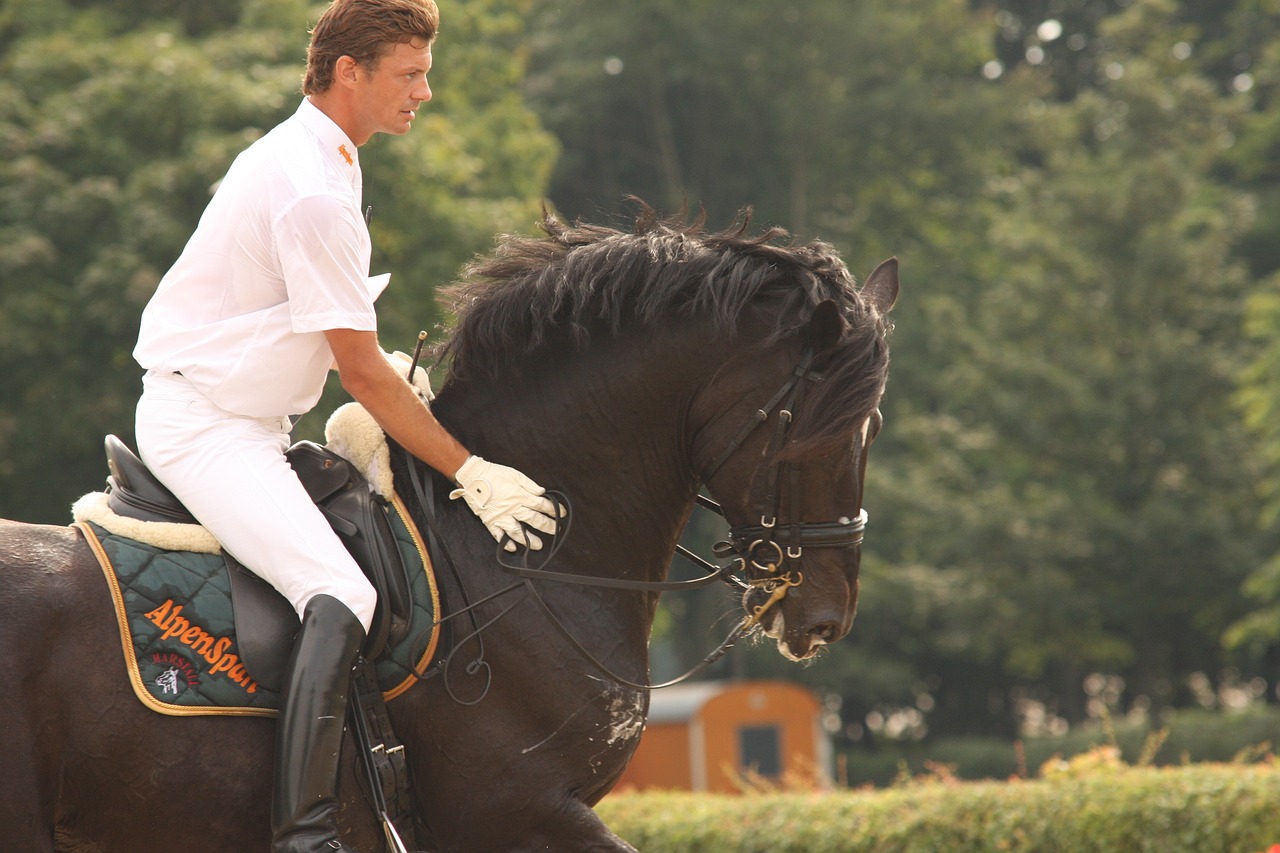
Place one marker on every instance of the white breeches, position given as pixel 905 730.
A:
pixel 231 473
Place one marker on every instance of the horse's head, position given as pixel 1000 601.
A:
pixel 786 458
pixel 630 369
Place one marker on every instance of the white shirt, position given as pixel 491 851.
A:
pixel 281 254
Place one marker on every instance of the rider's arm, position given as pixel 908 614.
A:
pixel 392 402
pixel 501 497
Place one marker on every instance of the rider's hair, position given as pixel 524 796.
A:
pixel 364 30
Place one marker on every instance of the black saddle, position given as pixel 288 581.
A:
pixel 265 621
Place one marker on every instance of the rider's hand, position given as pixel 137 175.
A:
pixel 502 498
pixel 421 381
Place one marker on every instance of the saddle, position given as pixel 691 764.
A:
pixel 265 621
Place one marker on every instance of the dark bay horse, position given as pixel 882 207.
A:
pixel 625 370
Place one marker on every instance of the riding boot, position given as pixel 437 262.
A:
pixel 311 727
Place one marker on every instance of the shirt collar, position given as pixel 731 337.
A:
pixel 333 139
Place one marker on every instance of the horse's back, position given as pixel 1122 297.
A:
pixel 74 732
pixel 48 579
pixel 52 596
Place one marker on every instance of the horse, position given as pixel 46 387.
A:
pixel 629 368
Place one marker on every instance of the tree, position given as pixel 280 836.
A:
pixel 1254 163
pixel 1086 401
pixel 681 102
pixel 1060 487
pixel 112 138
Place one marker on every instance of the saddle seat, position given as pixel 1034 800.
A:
pixel 340 491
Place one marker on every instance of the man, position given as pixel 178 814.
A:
pixel 271 291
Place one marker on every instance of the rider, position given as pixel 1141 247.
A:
pixel 271 291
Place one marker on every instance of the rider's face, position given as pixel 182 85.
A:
pixel 390 92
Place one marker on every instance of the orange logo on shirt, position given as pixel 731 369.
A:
pixel 346 155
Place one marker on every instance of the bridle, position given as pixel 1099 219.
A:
pixel 764 550
pixel 759 552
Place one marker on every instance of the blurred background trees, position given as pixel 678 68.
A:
pixel 118 118
pixel 1075 501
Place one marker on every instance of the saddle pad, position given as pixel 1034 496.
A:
pixel 178 633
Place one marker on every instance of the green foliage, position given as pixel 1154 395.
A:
pixel 1064 484
pixel 115 126
pixel 1188 736
pixel 1098 804
pixel 837 120
pixel 1081 423
pixel 109 148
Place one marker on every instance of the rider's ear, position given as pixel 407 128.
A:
pixel 826 326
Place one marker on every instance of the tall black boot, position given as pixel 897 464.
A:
pixel 309 738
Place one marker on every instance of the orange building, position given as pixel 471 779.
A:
pixel 708 736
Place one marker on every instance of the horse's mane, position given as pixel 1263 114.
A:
pixel 582 279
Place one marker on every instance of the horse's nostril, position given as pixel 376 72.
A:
pixel 825 631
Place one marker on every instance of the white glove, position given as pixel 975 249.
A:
pixel 502 498
pixel 421 381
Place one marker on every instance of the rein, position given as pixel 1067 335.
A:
pixel 424 492
pixel 765 547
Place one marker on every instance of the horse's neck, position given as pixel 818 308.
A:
pixel 609 433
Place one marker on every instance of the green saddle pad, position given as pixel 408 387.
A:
pixel 178 632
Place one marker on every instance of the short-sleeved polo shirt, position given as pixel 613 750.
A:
pixel 281 255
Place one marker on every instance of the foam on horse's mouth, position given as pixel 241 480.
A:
pixel 776 630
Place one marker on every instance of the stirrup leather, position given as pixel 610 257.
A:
pixel 381 757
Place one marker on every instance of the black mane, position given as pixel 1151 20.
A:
pixel 582 279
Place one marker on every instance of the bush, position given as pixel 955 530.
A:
pixel 1093 803
pixel 1188 736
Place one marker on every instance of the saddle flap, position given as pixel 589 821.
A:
pixel 265 625
pixel 359 517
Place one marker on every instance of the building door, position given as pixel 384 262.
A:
pixel 760 750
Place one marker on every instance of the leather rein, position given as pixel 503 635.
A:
pixel 759 552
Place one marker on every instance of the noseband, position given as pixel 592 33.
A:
pixel 762 550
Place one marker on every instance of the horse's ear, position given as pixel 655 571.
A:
pixel 826 326
pixel 881 289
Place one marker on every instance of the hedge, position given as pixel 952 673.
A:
pixel 1188 736
pixel 1092 804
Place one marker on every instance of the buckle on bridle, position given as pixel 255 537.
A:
pixel 768 566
